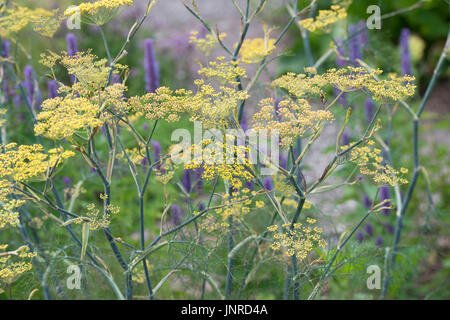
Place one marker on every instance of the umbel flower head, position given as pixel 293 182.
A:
pixel 297 240
pixel 17 18
pixel 324 19
pixel 254 50
pixel 98 12
pixel 20 164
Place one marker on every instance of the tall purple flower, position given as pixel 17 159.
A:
pixel 72 47
pixel 268 184
pixel 405 56
pixel 359 236
pixel 157 154
pixel 370 109
pixel 176 216
pixel 151 67
pixel 6 49
pixel 52 87
pixel 366 201
pixel 187 180
pixel 363 35
pixel 379 241
pixel 385 194
pixel 354 42
pixel 28 83
pixel 345 138
pixel 369 229
pixel 66 180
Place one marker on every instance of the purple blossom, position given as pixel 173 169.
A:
pixel 66 180
pixel 6 49
pixel 187 180
pixel 379 241
pixel 72 47
pixel 28 83
pixel 151 67
pixel 367 202
pixel 370 109
pixel 201 206
pixel 52 86
pixel 283 161
pixel 369 229
pixel 345 138
pixel 268 184
pixel 198 179
pixel 145 126
pixel 176 216
pixel 359 236
pixel 385 194
pixel 405 56
pixel 389 227
pixel 363 35
pixel 354 43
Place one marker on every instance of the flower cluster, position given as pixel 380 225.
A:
pixel 291 119
pixel 92 8
pixel 13 264
pixel 298 240
pixel 235 206
pixel 348 79
pixel 324 19
pixel 86 102
pixel 210 105
pixel 206 44
pixel 215 158
pixel 15 19
pixel 370 163
pixel 254 50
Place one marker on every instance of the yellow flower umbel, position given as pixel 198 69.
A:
pixel 236 206
pixel 324 19
pixel 85 105
pixel 348 79
pixel 20 164
pixel 98 12
pixel 369 161
pixel 291 119
pixel 299 240
pixel 216 158
pixel 255 50
pixel 13 264
pixel 216 98
pixel 15 19
pixel 206 44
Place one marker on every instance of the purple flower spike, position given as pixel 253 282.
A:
pixel 384 195
pixel 52 86
pixel 345 138
pixel 28 84
pixel 176 216
pixel 151 67
pixel 379 241
pixel 145 127
pixel 366 201
pixel 389 228
pixel 404 50
pixel 354 43
pixel 370 109
pixel 6 49
pixel 66 180
pixel 369 229
pixel 201 206
pixel 72 47
pixel 187 180
pixel 363 35
pixel 359 236
pixel 156 149
pixel 268 184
